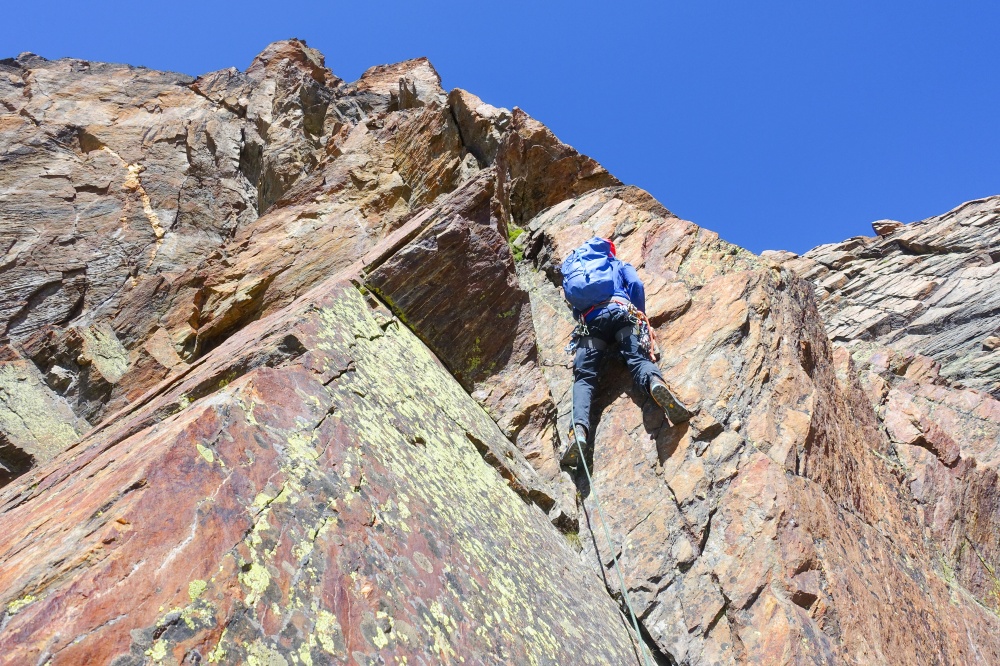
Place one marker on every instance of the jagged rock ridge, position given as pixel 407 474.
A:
pixel 931 287
pixel 290 392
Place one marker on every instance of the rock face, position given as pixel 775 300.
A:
pixel 329 505
pixel 917 308
pixel 931 287
pixel 282 381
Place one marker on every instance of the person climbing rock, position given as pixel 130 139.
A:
pixel 609 302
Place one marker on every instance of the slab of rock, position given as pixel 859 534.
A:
pixel 886 227
pixel 115 176
pixel 538 170
pixel 456 286
pixel 331 506
pixel 483 126
pixel 35 425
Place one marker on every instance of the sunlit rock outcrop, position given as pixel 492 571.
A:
pixel 282 381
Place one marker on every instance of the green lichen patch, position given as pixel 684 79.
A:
pixel 328 633
pixel 196 588
pixel 206 453
pixel 103 349
pixel 261 654
pixel 31 416
pixel 158 652
pixel 218 653
pixel 14 607
pixel 256 578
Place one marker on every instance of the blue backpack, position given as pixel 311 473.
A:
pixel 589 274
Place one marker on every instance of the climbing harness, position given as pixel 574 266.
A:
pixel 639 327
pixel 624 302
pixel 611 549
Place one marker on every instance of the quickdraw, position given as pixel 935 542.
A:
pixel 581 331
pixel 643 331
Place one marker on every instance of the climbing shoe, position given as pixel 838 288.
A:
pixel 571 455
pixel 674 408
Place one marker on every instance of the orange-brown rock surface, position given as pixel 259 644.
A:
pixel 282 381
pixel 916 307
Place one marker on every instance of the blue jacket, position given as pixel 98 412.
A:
pixel 627 286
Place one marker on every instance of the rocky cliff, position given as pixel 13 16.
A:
pixel 282 382
pixel 918 308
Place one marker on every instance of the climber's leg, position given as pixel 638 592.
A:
pixel 585 366
pixel 639 364
pixel 647 376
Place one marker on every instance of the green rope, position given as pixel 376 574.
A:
pixel 614 558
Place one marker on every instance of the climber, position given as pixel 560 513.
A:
pixel 609 302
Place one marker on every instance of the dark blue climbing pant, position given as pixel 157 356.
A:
pixel 607 329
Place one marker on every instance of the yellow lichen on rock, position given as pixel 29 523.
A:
pixel 158 651
pixel 102 348
pixel 31 417
pixel 256 579
pixel 329 634
pixel 196 588
pixel 206 453
pixel 260 654
pixel 15 606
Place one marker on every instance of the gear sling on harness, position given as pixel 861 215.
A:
pixel 582 337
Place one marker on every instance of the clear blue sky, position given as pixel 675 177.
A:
pixel 777 124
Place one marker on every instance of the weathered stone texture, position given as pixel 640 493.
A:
pixel 282 381
pixel 739 532
pixel 916 307
pixel 931 287
pixel 34 424
pixel 946 444
pixel 202 264
pixel 115 179
pixel 332 505
pixel 480 326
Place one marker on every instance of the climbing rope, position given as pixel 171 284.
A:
pixel 614 558
pixel 638 316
